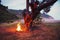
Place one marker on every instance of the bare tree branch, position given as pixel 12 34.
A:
pixel 45 5
pixel 42 6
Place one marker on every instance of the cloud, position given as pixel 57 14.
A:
pixel 15 4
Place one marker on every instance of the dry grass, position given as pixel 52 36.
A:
pixel 41 32
pixel 54 26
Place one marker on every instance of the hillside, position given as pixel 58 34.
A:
pixel 20 12
pixel 6 16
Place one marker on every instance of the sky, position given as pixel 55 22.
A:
pixel 21 4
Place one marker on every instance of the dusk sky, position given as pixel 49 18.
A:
pixel 21 4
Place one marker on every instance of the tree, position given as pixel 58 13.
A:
pixel 44 6
pixel 36 7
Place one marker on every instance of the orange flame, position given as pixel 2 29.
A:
pixel 25 27
pixel 19 28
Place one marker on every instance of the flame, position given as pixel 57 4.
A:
pixel 19 28
pixel 25 27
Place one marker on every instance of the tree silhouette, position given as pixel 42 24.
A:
pixel 36 7
pixel 45 5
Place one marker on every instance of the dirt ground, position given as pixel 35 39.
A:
pixel 39 32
